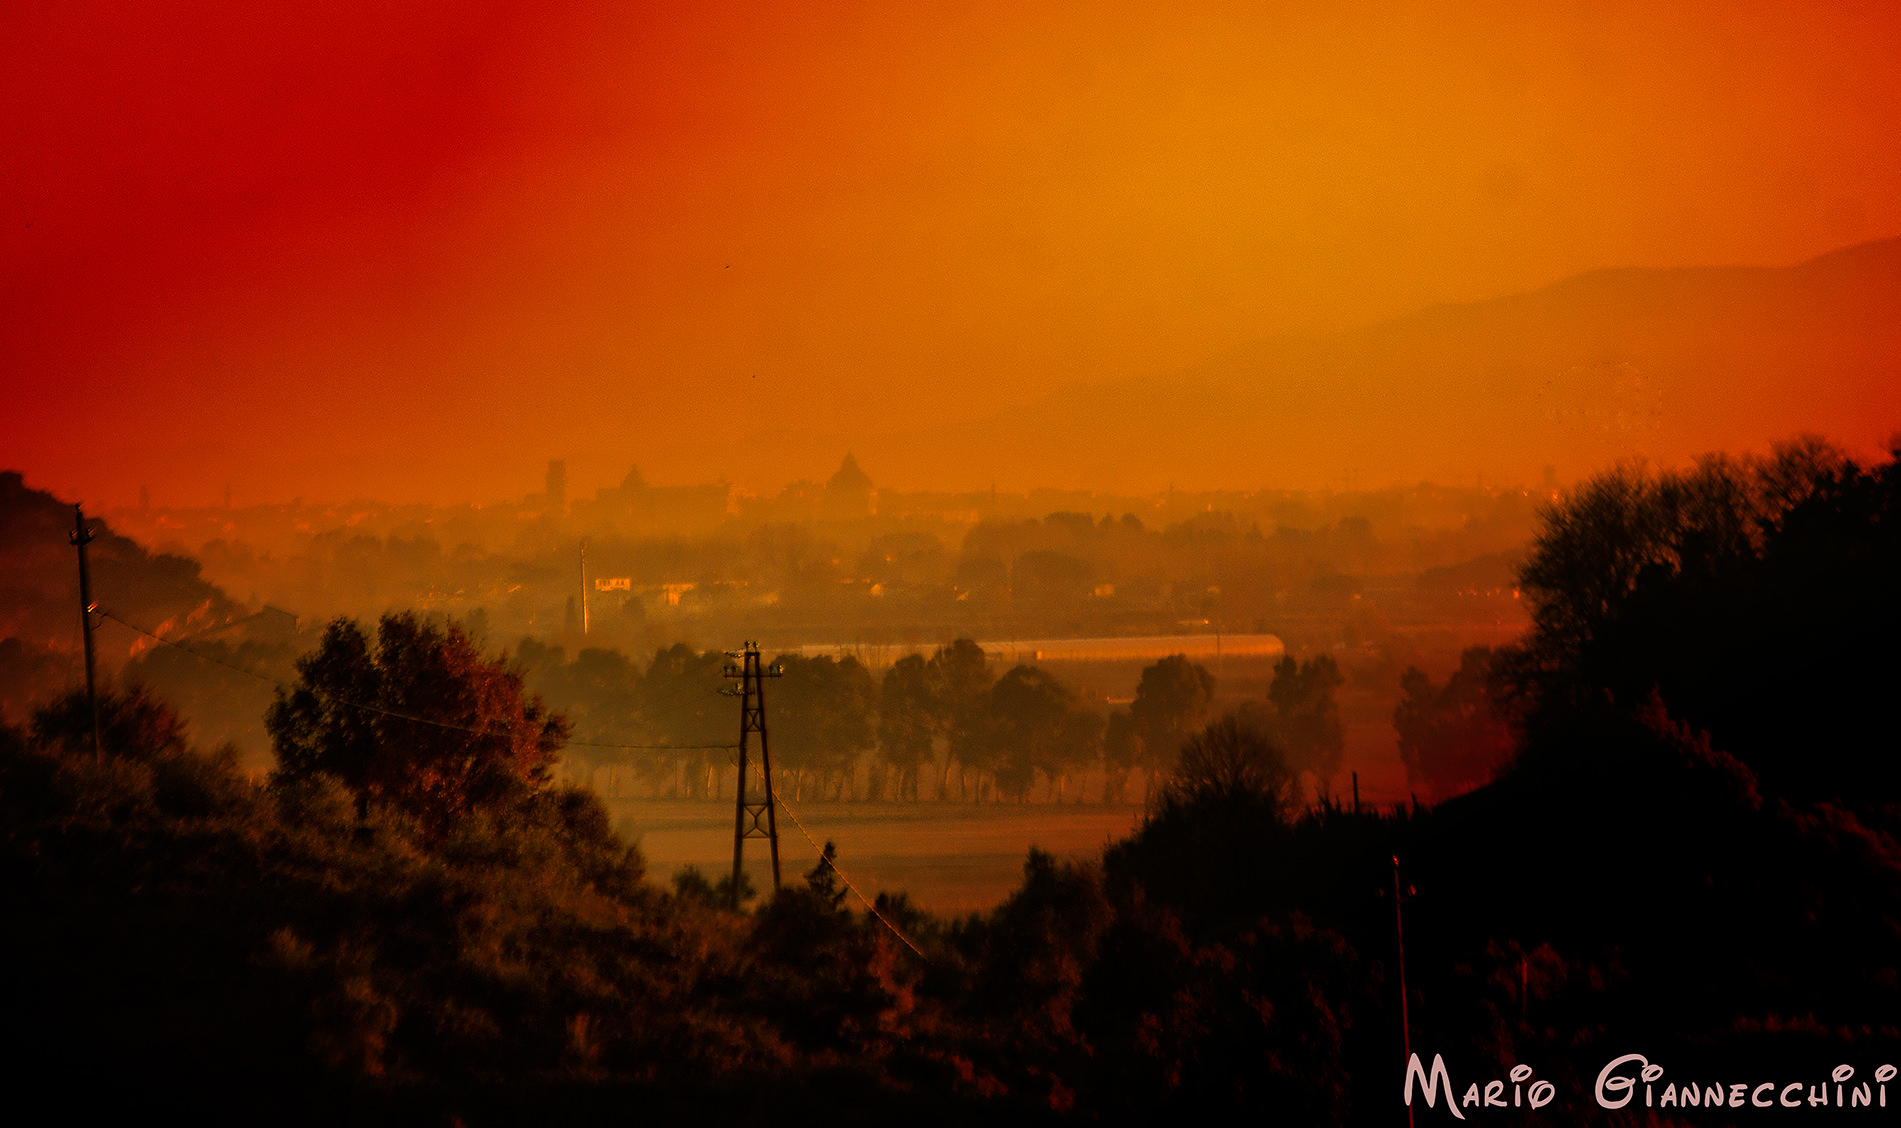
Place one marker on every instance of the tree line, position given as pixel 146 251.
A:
pixel 941 726
pixel 945 726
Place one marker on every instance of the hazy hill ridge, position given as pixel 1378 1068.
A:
pixel 1662 364
pixel 39 578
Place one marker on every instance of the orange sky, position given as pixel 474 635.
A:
pixel 412 250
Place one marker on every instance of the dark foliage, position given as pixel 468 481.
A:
pixel 1307 716
pixel 1757 598
pixel 287 954
pixel 1452 737
pixel 420 720
pixel 1172 699
pixel 1232 761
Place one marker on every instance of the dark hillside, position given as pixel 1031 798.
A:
pixel 39 595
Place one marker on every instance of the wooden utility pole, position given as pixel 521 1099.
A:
pixel 81 537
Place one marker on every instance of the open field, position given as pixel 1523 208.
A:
pixel 949 857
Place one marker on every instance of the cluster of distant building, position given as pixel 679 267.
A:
pixel 847 495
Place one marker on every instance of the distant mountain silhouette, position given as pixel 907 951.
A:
pixel 1662 364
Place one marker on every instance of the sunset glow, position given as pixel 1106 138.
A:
pixel 414 250
pixel 965 562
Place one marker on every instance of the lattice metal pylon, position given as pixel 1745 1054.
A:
pixel 749 813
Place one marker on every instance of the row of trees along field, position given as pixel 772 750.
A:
pixel 1693 850
pixel 942 726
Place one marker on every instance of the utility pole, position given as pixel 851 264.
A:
pixel 81 537
pixel 584 588
pixel 752 718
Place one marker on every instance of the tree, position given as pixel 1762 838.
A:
pixel 1077 745
pixel 910 716
pixel 1754 597
pixel 963 671
pixel 820 715
pixel 1049 581
pixel 132 724
pixel 1306 715
pixel 823 880
pixel 1171 701
pixel 678 699
pixel 419 720
pixel 1231 760
pixel 1450 736
pixel 1122 750
pixel 597 693
pixel 1034 726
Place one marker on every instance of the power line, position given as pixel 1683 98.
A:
pixel 380 711
pixel 848 884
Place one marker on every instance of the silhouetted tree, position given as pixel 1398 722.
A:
pixel 1078 744
pixel 821 716
pixel 1307 717
pixel 1044 581
pixel 598 693
pixel 1033 727
pixel 680 704
pixel 1232 759
pixel 911 713
pixel 723 889
pixel 1171 701
pixel 823 880
pixel 420 720
pixel 1032 953
pixel 690 885
pixel 1754 596
pixel 1451 737
pixel 132 723
pixel 963 672
pixel 1122 750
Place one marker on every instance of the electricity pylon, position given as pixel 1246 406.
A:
pixel 752 718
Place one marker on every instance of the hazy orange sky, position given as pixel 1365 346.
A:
pixel 414 250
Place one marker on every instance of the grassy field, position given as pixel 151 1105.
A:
pixel 949 857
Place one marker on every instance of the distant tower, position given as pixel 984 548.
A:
pixel 557 495
pixel 145 499
pixel 849 493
